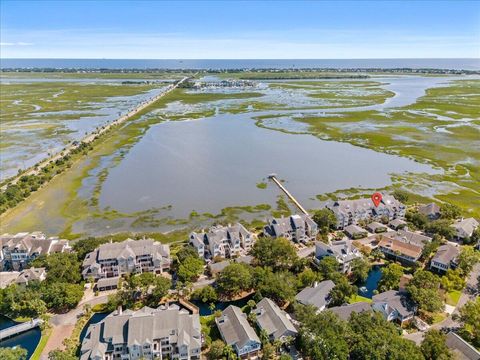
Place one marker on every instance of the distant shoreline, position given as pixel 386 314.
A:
pixel 145 65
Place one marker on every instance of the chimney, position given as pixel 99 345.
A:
pixel 119 310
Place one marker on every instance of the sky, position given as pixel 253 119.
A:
pixel 239 30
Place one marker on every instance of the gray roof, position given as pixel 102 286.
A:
pixel 316 295
pixel 461 349
pixel 341 249
pixel 397 222
pixel 218 267
pixel 140 327
pixel 395 301
pixel 410 237
pixel 8 278
pixel 234 327
pixel 33 243
pixel 246 259
pixel 344 312
pixel 364 205
pixel 30 274
pixel 466 225
pixel 354 229
pixel 446 254
pixel 431 209
pixel 279 226
pixel 133 248
pixel 104 282
pixel 373 226
pixel 273 320
pixel 233 233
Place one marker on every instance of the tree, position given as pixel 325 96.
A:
pixel 229 353
pixel 342 291
pixel 234 279
pixel 216 350
pixel 453 280
pixel 360 269
pixel 60 355
pixel 190 268
pixel 423 289
pixel 268 352
pixel 185 252
pixel 391 275
pixel 450 211
pixel 17 353
pixel 61 267
pixel 61 296
pixel 279 286
pixel 400 195
pixel 429 248
pixel 161 285
pixel 322 335
pixel 433 346
pixel 328 267
pixel 441 227
pixel 417 219
pixel 206 294
pixel 306 278
pixel 325 220
pixel 373 337
pixel 467 259
pixel 277 253
pixel 470 317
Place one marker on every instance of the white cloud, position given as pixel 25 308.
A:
pixel 20 43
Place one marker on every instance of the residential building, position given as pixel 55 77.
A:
pixel 409 237
pixel 399 250
pixel 345 311
pixel 464 228
pixel 16 251
pixel 298 228
pixel 105 284
pixel 127 257
pixel 237 332
pixel 343 251
pixel 274 321
pixel 216 268
pixel 22 278
pixel 167 332
pixel 432 211
pixel 445 257
pixel 376 227
pixel 317 295
pixel 461 349
pixel 222 241
pixel 350 212
pixel 393 305
pixel 355 232
pixel 397 224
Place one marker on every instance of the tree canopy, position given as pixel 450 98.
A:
pixel 391 275
pixel 234 279
pixel 325 220
pixel 277 253
pixel 423 289
pixel 433 346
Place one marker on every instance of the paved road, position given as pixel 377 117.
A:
pixel 469 293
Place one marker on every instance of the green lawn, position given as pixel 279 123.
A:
pixel 41 345
pixel 452 297
pixel 358 298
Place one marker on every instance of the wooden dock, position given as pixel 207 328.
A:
pixel 19 328
pixel 273 177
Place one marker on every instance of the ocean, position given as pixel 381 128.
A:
pixel 453 64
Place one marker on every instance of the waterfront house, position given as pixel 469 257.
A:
pixel 351 212
pixel 376 227
pixel 345 311
pixel 394 306
pixel 445 258
pixel 22 278
pixel 222 241
pixel 317 295
pixel 297 228
pixel 406 253
pixel 343 251
pixel 355 232
pixel 167 332
pixel 16 251
pixel 237 332
pixel 274 321
pixel 127 257
pixel 464 228
pixel 432 211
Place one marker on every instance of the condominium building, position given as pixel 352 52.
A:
pixel 350 212
pixel 343 251
pixel 298 228
pixel 222 241
pixel 167 332
pixel 16 251
pixel 129 256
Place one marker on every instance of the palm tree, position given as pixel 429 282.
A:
pixel 211 307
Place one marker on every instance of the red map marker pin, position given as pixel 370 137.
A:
pixel 376 198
